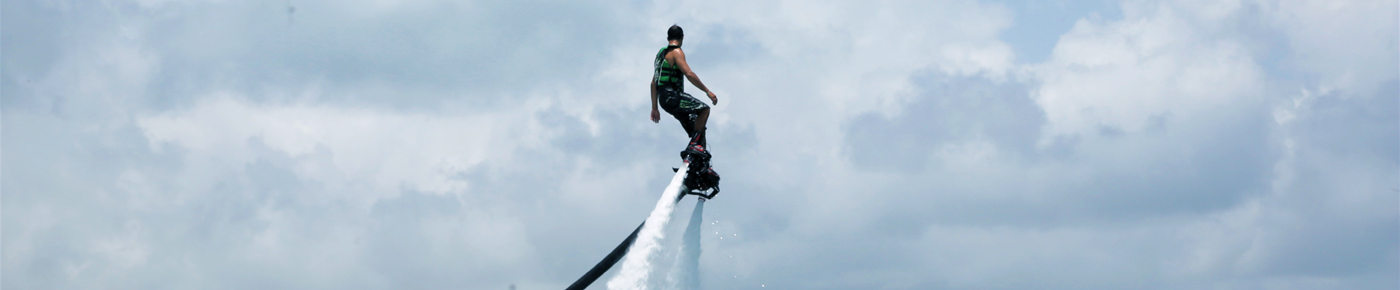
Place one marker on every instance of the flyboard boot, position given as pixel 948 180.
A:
pixel 701 180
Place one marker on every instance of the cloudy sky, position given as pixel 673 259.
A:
pixel 959 144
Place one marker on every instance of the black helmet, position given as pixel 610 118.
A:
pixel 675 33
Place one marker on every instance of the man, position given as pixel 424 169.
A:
pixel 667 89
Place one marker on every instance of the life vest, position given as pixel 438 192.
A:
pixel 667 74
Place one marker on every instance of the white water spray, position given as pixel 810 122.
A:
pixel 636 265
pixel 686 273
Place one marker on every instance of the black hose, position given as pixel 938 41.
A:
pixel 606 263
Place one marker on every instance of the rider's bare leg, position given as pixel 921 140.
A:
pixel 700 124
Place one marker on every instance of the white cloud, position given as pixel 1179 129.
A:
pixel 1348 45
pixel 1154 68
pixel 850 56
pixel 383 151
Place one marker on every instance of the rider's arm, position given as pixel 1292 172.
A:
pixel 652 85
pixel 655 116
pixel 685 68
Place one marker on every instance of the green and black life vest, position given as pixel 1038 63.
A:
pixel 667 74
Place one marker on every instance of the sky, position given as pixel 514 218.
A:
pixel 958 144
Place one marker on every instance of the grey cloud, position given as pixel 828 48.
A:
pixel 947 109
pixel 1229 162
pixel 1339 158
pixel 415 56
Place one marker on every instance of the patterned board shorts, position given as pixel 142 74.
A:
pixel 682 106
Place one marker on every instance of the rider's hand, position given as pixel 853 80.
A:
pixel 655 116
pixel 713 98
